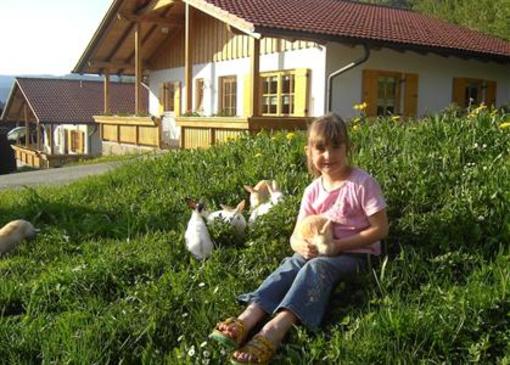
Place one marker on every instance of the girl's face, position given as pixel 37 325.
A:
pixel 329 159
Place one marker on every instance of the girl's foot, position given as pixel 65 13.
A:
pixel 263 345
pixel 233 331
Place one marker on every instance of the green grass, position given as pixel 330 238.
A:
pixel 108 279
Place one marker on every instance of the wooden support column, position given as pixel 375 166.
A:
pixel 38 134
pixel 188 62
pixel 138 69
pixel 52 145
pixel 106 77
pixel 27 134
pixel 255 76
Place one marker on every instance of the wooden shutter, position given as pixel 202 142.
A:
pixel 369 92
pixel 411 95
pixel 301 92
pixel 81 142
pixel 247 96
pixel 490 96
pixel 177 98
pixel 459 91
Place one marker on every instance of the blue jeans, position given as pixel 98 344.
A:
pixel 304 286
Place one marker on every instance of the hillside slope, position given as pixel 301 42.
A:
pixel 108 279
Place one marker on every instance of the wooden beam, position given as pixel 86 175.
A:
pixel 109 66
pixel 255 76
pixel 188 62
pixel 27 134
pixel 52 145
pixel 168 21
pixel 155 5
pixel 138 69
pixel 106 76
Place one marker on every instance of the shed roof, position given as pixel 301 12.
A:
pixel 67 101
pixel 317 20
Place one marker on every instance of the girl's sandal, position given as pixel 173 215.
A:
pixel 260 349
pixel 226 340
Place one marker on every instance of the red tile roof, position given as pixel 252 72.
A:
pixel 76 101
pixel 352 21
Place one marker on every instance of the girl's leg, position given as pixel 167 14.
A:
pixel 309 294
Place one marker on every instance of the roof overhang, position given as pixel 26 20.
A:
pixel 14 109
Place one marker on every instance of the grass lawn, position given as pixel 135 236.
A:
pixel 108 279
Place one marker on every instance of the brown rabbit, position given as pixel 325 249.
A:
pixel 13 233
pixel 317 230
pixel 259 193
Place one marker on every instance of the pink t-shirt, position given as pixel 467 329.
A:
pixel 348 206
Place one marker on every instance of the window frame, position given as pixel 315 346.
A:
pixel 227 104
pixel 279 92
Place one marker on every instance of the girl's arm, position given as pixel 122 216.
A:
pixel 377 231
pixel 303 247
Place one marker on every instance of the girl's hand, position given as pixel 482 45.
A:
pixel 304 248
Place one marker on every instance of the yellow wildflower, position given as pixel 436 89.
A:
pixel 395 118
pixel 258 154
pixel 504 125
pixel 290 136
pixel 361 106
pixel 355 127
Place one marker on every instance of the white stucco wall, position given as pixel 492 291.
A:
pixel 435 74
pixel 311 58
pixel 92 139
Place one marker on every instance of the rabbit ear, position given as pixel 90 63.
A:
pixel 191 203
pixel 225 207
pixel 249 189
pixel 270 188
pixel 325 227
pixel 275 186
pixel 240 206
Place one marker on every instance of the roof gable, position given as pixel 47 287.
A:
pixel 68 101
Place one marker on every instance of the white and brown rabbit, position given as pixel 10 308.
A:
pixel 198 240
pixel 259 193
pixel 230 215
pixel 276 196
pixel 317 230
pixel 13 233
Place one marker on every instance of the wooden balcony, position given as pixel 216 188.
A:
pixel 203 132
pixel 131 130
pixel 32 157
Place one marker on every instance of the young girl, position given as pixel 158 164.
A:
pixel 298 291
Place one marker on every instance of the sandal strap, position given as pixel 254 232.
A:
pixel 261 348
pixel 238 323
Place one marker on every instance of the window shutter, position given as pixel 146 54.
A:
pixel 247 96
pixel 301 92
pixel 490 96
pixel 459 91
pixel 411 95
pixel 369 93
pixel 161 98
pixel 177 98
pixel 81 142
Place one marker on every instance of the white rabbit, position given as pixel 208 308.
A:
pixel 317 230
pixel 233 216
pixel 198 240
pixel 276 197
pixel 259 193
pixel 14 232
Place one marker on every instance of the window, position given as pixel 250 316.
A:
pixel 468 92
pixel 199 95
pixel 278 93
pixel 390 93
pixel 228 96
pixel 77 141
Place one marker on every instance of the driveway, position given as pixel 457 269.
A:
pixel 56 176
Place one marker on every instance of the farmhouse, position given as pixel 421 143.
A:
pixel 57 113
pixel 219 68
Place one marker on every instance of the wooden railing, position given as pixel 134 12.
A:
pixel 203 132
pixel 38 159
pixel 132 130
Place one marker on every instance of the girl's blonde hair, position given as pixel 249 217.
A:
pixel 327 130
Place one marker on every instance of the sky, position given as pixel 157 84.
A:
pixel 46 36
